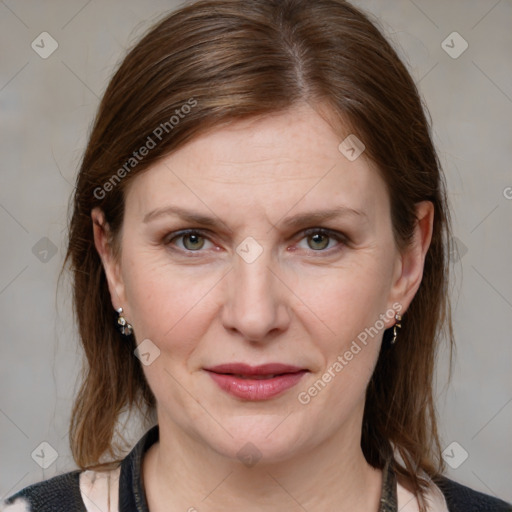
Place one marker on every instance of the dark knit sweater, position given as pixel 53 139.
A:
pixel 62 493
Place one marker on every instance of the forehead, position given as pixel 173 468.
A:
pixel 282 161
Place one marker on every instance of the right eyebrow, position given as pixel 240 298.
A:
pixel 183 213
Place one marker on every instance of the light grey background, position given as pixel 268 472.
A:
pixel 47 106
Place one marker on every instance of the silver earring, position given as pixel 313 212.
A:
pixel 397 326
pixel 124 326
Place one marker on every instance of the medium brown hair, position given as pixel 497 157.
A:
pixel 234 59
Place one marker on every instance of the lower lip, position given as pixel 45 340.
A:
pixel 256 389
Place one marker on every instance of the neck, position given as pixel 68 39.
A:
pixel 180 473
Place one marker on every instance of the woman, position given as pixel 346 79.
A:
pixel 258 245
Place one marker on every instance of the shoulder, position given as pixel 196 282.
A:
pixel 82 490
pixel 460 498
pixel 58 494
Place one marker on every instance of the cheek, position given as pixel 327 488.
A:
pixel 344 301
pixel 347 332
pixel 169 304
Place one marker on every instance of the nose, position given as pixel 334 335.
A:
pixel 256 302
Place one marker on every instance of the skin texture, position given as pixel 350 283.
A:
pixel 302 302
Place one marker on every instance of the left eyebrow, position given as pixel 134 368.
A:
pixel 322 215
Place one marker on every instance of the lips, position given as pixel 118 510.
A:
pixel 255 382
pixel 245 370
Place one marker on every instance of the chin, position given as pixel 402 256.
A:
pixel 257 438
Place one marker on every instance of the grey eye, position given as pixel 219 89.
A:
pixel 196 241
pixel 319 241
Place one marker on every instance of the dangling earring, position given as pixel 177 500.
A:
pixel 397 326
pixel 124 326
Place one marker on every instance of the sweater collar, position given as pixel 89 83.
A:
pixel 132 497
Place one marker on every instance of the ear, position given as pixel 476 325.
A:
pixel 411 260
pixel 102 237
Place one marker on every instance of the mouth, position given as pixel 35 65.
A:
pixel 255 382
pixel 255 377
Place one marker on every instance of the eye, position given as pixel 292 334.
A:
pixel 318 239
pixel 192 240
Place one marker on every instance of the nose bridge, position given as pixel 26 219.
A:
pixel 253 274
pixel 255 303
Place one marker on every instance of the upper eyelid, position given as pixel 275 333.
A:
pixel 328 231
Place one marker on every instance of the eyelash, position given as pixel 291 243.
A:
pixel 340 237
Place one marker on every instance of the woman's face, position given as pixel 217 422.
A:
pixel 251 286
